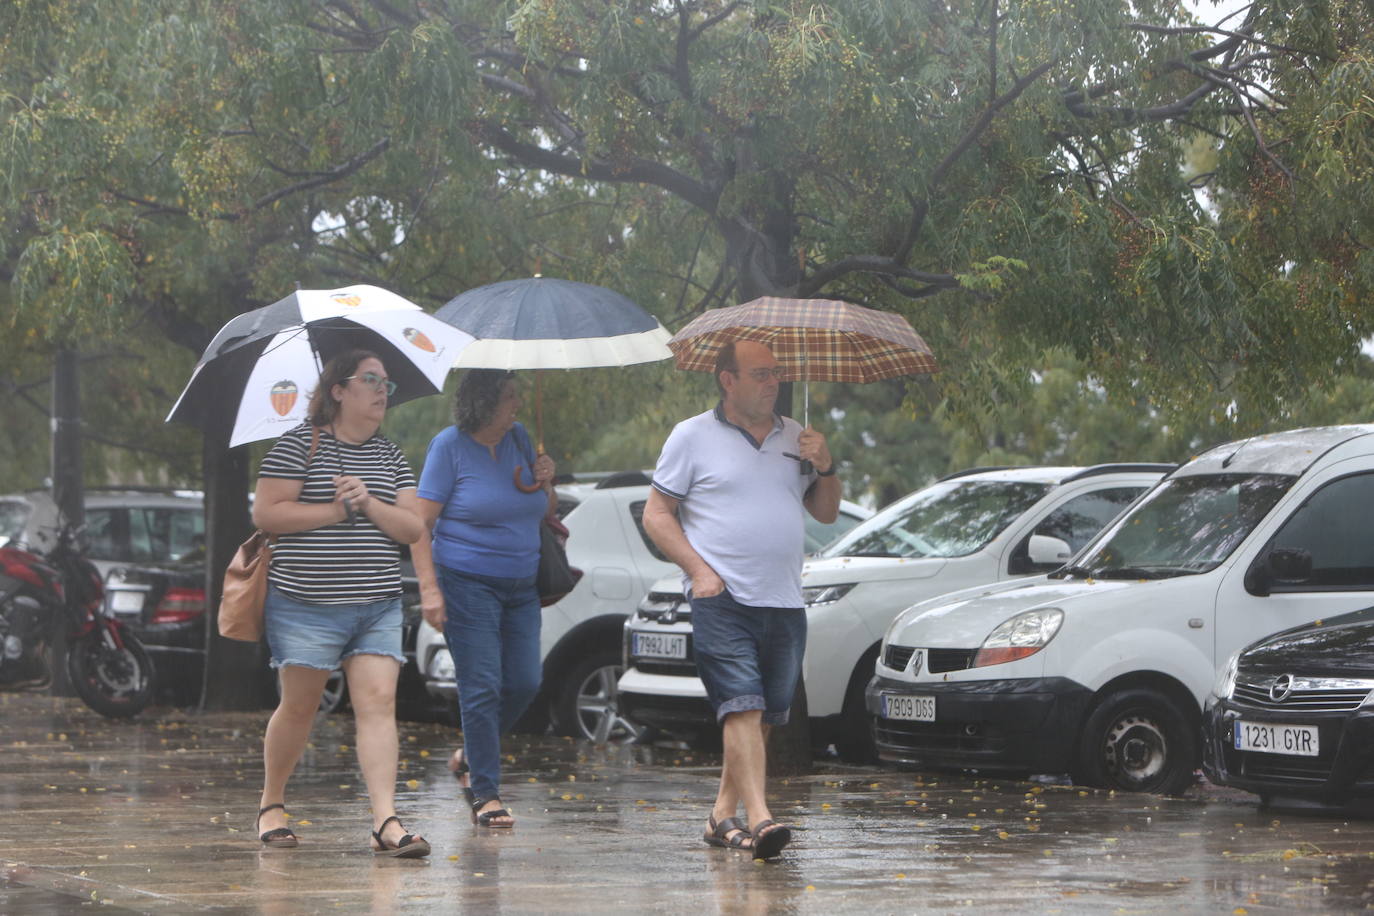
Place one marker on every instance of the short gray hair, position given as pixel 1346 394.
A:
pixel 478 393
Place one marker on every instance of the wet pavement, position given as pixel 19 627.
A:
pixel 156 815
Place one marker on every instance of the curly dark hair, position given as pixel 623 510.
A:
pixel 323 408
pixel 475 401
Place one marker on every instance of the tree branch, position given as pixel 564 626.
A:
pixel 874 264
pixel 690 190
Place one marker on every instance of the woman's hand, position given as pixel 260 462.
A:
pixel 352 492
pixel 432 608
pixel 543 470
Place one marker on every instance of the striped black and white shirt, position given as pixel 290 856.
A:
pixel 342 563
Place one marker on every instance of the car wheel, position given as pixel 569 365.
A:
pixel 854 741
pixel 1138 740
pixel 587 703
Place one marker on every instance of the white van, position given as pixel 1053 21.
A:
pixel 976 526
pixel 1101 668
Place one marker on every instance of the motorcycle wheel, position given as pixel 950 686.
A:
pixel 117 683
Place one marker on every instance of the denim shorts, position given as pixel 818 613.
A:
pixel 748 657
pixel 310 635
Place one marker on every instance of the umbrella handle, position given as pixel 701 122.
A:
pixel 527 487
pixel 539 432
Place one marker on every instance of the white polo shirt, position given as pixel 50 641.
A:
pixel 740 504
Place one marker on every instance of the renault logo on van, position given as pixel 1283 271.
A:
pixel 1282 688
pixel 916 658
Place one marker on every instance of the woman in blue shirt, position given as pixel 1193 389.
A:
pixel 477 580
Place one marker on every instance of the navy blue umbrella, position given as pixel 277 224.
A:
pixel 544 323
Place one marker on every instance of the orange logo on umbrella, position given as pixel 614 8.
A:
pixel 284 397
pixel 349 299
pixel 418 339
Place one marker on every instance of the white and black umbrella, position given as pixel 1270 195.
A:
pixel 254 379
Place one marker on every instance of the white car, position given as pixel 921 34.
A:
pixel 973 527
pixel 580 637
pixel 1101 669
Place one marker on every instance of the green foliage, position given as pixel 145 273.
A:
pixel 1016 187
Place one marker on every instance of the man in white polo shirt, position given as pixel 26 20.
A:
pixel 729 491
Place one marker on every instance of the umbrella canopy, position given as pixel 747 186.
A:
pixel 545 323
pixel 820 340
pixel 254 379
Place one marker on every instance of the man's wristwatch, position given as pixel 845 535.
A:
pixel 829 472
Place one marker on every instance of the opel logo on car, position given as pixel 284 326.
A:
pixel 1282 688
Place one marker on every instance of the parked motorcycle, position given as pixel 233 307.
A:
pixel 61 594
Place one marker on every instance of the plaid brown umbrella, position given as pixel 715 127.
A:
pixel 821 340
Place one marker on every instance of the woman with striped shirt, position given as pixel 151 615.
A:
pixel 340 498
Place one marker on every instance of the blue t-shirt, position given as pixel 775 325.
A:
pixel 487 526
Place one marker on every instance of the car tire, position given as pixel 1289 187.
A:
pixel 586 701
pixel 854 739
pixel 1138 740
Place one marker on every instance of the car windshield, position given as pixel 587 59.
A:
pixel 1185 526
pixel 819 534
pixel 13 516
pixel 952 518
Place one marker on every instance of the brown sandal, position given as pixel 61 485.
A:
pixel 769 843
pixel 728 834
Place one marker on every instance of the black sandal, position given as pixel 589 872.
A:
pixel 769 844
pixel 485 818
pixel 728 834
pixel 410 846
pixel 460 772
pixel 278 837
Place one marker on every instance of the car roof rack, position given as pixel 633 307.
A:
pixel 982 470
pixel 624 479
pixel 1125 467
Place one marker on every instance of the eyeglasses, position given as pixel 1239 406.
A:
pixel 375 382
pixel 762 374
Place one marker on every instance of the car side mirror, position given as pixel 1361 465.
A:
pixel 1279 566
pixel 1048 551
pixel 1289 565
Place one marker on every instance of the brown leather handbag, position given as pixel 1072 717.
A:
pixel 245 589
pixel 245 581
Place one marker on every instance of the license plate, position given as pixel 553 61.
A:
pixel 124 602
pixel 909 706
pixel 1266 738
pixel 659 645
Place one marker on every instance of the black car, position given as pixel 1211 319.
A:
pixel 165 605
pixel 1292 716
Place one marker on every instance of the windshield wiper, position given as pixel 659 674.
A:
pixel 873 553
pixel 1072 572
pixel 1139 572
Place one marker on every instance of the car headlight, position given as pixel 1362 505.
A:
pixel 825 594
pixel 1226 678
pixel 1021 636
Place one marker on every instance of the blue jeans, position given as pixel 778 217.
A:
pixel 748 657
pixel 492 630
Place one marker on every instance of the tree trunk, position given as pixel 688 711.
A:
pixel 68 486
pixel 234 671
